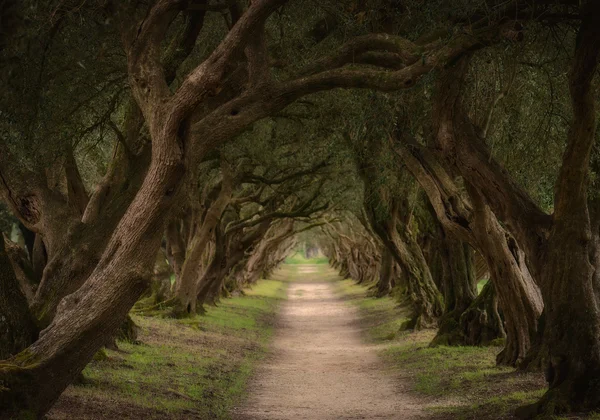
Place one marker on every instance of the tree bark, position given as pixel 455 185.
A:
pixel 17 329
pixel 176 246
pixel 572 316
pixel 386 283
pixel 82 246
pixel 481 323
pixel 186 291
pixel 520 298
pixel 460 289
pixel 474 222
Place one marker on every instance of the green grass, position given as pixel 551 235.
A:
pixel 383 316
pixel 191 368
pixel 298 258
pixel 463 382
pixel 306 273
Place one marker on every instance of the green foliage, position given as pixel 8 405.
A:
pixel 299 258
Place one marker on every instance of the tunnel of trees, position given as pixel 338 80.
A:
pixel 426 145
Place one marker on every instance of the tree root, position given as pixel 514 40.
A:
pixel 169 303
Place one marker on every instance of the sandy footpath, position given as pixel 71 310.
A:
pixel 320 367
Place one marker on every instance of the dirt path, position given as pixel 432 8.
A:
pixel 320 368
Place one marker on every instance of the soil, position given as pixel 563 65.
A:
pixel 321 368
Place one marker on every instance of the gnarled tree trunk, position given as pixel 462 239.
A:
pixel 474 222
pixel 520 298
pixel 481 323
pixel 572 313
pixel 186 288
pixel 459 286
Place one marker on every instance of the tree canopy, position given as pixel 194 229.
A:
pixel 422 146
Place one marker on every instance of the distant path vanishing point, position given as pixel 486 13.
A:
pixel 320 368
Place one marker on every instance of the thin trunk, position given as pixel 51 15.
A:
pixel 175 246
pixel 424 295
pixel 385 284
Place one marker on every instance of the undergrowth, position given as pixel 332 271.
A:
pixel 453 382
pixel 191 368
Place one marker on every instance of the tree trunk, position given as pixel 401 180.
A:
pixel 84 243
pixel 460 289
pixel 572 315
pixel 421 290
pixel 186 291
pixel 520 298
pixel 175 246
pixel 17 328
pixel 211 276
pixel 22 269
pixel 481 323
pixel 39 257
pixel 35 378
pixel 385 284
pixel 262 258
pixel 424 295
pixel 235 246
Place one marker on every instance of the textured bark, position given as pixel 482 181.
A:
pixel 22 269
pixel 71 263
pixel 473 221
pixel 175 246
pixel 85 319
pixel 426 298
pixel 266 253
pixel 421 290
pixel 481 322
pixel 39 257
pixel 459 287
pixel 520 298
pixel 186 290
pixel 386 282
pixel 17 329
pixel 230 249
pixel 77 196
pixel 212 275
pixel 572 316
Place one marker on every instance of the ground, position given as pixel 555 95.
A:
pixel 330 351
pixel 195 368
pixel 320 368
pixel 450 382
